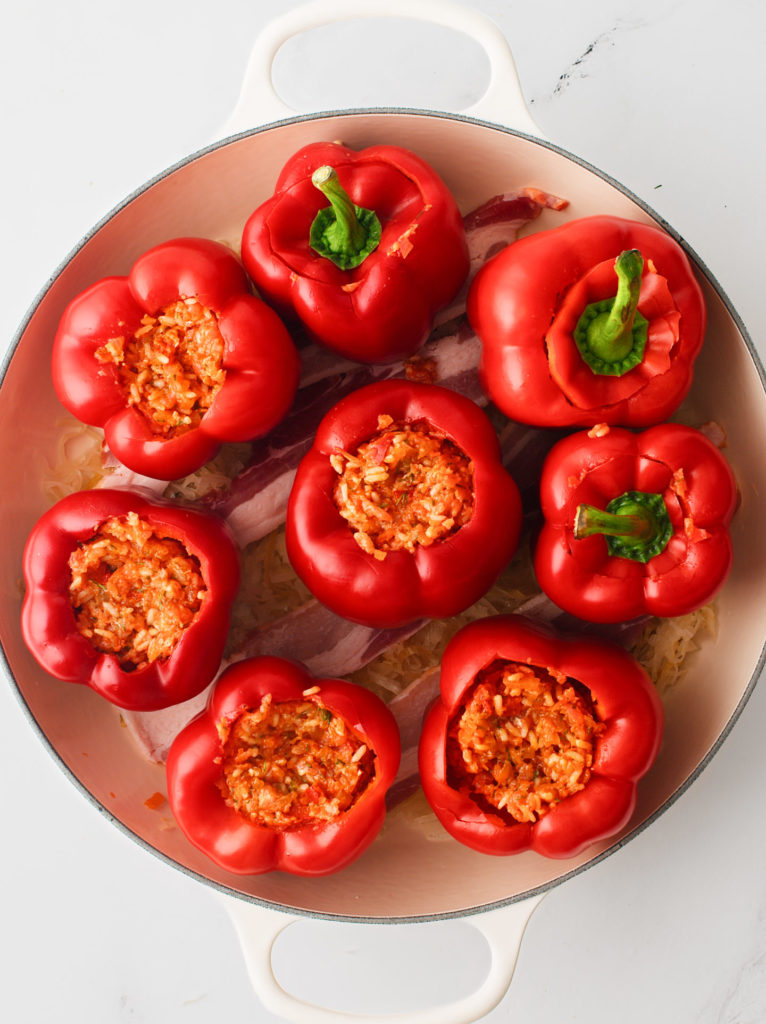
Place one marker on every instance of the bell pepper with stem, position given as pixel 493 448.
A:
pixel 251 389
pixel 634 524
pixel 627 721
pixel 201 800
pixel 48 620
pixel 434 581
pixel 363 247
pixel 597 321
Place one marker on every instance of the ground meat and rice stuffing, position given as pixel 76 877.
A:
pixel 408 485
pixel 292 763
pixel 523 741
pixel 133 591
pixel 172 367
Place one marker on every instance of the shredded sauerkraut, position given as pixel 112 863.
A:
pixel 664 646
pixel 400 665
pixel 269 588
pixel 213 476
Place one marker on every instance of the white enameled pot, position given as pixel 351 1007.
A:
pixel 404 876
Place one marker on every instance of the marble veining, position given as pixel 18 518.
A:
pixel 579 68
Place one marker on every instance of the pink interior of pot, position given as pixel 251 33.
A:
pixel 413 868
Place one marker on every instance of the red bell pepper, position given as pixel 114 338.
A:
pixel 48 619
pixel 635 524
pixel 365 274
pixel 630 720
pixel 434 581
pixel 197 788
pixel 259 361
pixel 599 320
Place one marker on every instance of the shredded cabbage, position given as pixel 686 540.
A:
pixel 213 476
pixel 665 644
pixel 269 588
pixel 397 667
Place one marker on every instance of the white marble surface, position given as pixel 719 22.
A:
pixel 665 95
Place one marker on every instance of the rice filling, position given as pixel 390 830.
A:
pixel 293 763
pixel 523 741
pixel 172 367
pixel 408 486
pixel 134 591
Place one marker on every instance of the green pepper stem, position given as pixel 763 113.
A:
pixel 342 232
pixel 610 335
pixel 349 235
pixel 636 525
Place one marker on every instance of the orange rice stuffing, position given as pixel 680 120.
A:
pixel 408 485
pixel 523 741
pixel 172 367
pixel 292 763
pixel 133 591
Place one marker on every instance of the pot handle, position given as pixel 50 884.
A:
pixel 259 927
pixel 502 103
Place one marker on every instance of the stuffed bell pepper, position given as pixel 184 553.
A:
pixel 402 509
pixel 283 771
pixel 634 524
pixel 129 595
pixel 536 742
pixel 362 247
pixel 597 321
pixel 174 359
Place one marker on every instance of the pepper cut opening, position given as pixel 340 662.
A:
pixel 523 740
pixel 171 368
pixel 408 486
pixel 289 764
pixel 134 591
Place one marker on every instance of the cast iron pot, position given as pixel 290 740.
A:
pixel 404 876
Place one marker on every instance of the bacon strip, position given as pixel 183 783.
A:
pixel 326 644
pixel 257 500
pixel 492 226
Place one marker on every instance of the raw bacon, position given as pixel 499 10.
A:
pixel 256 502
pixel 326 644
pixel 492 226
